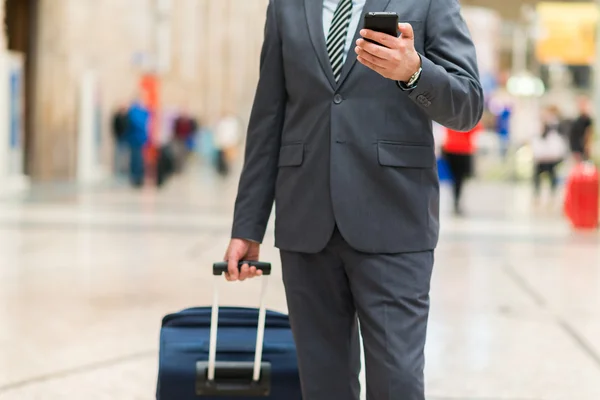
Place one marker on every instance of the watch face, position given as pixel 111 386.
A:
pixel 415 77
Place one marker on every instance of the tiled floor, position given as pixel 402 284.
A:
pixel 85 278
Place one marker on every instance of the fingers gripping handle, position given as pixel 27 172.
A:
pixel 222 267
pixel 218 270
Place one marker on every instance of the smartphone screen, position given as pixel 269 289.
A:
pixel 384 22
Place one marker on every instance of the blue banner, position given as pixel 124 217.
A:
pixel 15 108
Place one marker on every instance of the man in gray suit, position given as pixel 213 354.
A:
pixel 340 138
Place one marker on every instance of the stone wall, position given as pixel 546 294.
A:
pixel 2 24
pixel 212 55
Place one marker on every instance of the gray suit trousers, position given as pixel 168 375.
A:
pixel 389 293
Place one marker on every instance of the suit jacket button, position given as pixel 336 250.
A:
pixel 337 99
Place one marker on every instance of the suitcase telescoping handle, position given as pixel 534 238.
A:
pixel 230 368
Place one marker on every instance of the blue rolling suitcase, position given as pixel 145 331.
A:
pixel 220 354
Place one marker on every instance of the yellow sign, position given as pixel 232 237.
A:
pixel 567 33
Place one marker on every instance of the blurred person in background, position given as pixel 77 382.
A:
pixel 549 150
pixel 503 130
pixel 501 104
pixel 169 115
pixel 227 138
pixel 137 137
pixel 340 139
pixel 120 126
pixel 205 146
pixel 185 127
pixel 166 162
pixel 458 150
pixel 581 131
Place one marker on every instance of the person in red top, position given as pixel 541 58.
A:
pixel 458 152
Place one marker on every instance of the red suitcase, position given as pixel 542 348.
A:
pixel 581 201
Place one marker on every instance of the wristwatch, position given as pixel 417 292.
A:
pixel 412 82
pixel 414 79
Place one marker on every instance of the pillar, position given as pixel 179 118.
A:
pixel 53 152
pixel 4 99
pixel 3 40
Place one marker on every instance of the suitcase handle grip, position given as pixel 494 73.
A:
pixel 219 268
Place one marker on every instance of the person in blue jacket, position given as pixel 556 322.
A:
pixel 503 129
pixel 137 138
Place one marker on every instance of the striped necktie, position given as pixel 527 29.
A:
pixel 338 33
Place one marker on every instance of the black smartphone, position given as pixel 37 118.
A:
pixel 384 22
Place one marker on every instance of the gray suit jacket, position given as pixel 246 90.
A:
pixel 358 154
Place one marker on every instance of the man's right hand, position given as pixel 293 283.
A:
pixel 241 250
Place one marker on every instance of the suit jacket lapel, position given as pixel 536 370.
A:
pixel 370 6
pixel 314 18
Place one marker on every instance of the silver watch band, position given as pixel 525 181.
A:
pixel 413 79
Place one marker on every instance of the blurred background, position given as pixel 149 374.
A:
pixel 122 126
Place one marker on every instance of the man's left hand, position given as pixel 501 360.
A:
pixel 396 59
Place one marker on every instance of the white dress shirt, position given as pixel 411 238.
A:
pixel 329 7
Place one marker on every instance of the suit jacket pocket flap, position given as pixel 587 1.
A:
pixel 291 155
pixel 406 155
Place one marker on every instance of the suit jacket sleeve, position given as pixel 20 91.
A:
pixel 449 90
pixel 256 190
